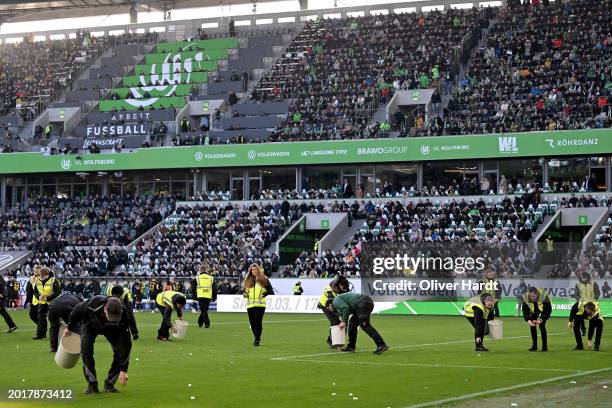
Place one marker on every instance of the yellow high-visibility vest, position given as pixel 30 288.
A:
pixel 473 302
pixel 165 298
pixel 296 289
pixel 255 296
pixel 204 289
pixel 33 281
pixel 327 291
pixel 550 245
pixel 126 295
pixel 596 315
pixel 44 289
pixel 587 290
pixel 542 295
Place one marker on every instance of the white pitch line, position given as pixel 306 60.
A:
pixel 504 389
pixel 405 347
pixel 410 308
pixel 212 323
pixel 434 365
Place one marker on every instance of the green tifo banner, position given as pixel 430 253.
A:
pixel 182 78
pixel 153 91
pixel 185 66
pixel 149 103
pixel 214 44
pixel 507 307
pixel 206 55
pixel 533 144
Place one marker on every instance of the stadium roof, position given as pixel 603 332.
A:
pixel 10 10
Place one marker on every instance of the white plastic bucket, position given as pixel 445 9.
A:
pixel 68 351
pixel 496 329
pixel 337 336
pixel 181 329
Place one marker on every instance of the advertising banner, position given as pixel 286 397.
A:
pixel 274 304
pixel 206 55
pixel 134 129
pixel 169 78
pixel 129 142
pixel 97 118
pixel 535 144
pixel 214 44
pixel 133 104
pixel 153 91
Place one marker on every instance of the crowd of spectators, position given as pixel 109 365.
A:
pixel 337 72
pixel 503 228
pixel 543 67
pixel 226 237
pixel 32 72
pixel 49 224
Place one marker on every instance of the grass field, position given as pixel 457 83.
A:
pixel 431 363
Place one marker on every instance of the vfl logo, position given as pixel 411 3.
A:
pixel 507 144
pixel 550 143
pixel 424 149
pixel 251 154
pixel 65 163
pixel 199 156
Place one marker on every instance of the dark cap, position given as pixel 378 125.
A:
pixel 114 310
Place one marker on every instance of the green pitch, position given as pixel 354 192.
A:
pixel 431 360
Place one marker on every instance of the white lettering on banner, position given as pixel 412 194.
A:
pixel 507 144
pixel 330 152
pixel 452 147
pixel 120 130
pixel 103 142
pixel 361 151
pixel 274 304
pixel 252 154
pixel 96 162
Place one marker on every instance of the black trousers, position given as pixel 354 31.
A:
pixel 480 328
pixel 204 303
pixel 41 326
pixel 55 322
pixel 164 329
pixel 7 318
pixel 595 327
pixel 33 313
pixel 121 344
pixel 362 319
pixel 256 315
pixel 334 320
pixel 534 330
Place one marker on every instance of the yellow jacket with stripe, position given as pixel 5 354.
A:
pixel 474 303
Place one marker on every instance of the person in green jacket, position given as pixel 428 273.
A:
pixel 360 307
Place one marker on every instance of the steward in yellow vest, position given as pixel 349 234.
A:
pixel 339 285
pixel 125 296
pixel 167 302
pixel 587 309
pixel 478 311
pixel 491 286
pixel 256 287
pixel 46 289
pixel 30 298
pixel 297 289
pixel 585 289
pixel 537 307
pixel 204 290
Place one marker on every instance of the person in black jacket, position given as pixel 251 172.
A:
pixel 124 296
pixel 108 317
pixel 537 308
pixel 59 312
pixel 3 302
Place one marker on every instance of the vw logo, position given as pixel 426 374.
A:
pixel 66 164
pixel 424 149
pixel 251 154
pixel 199 156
